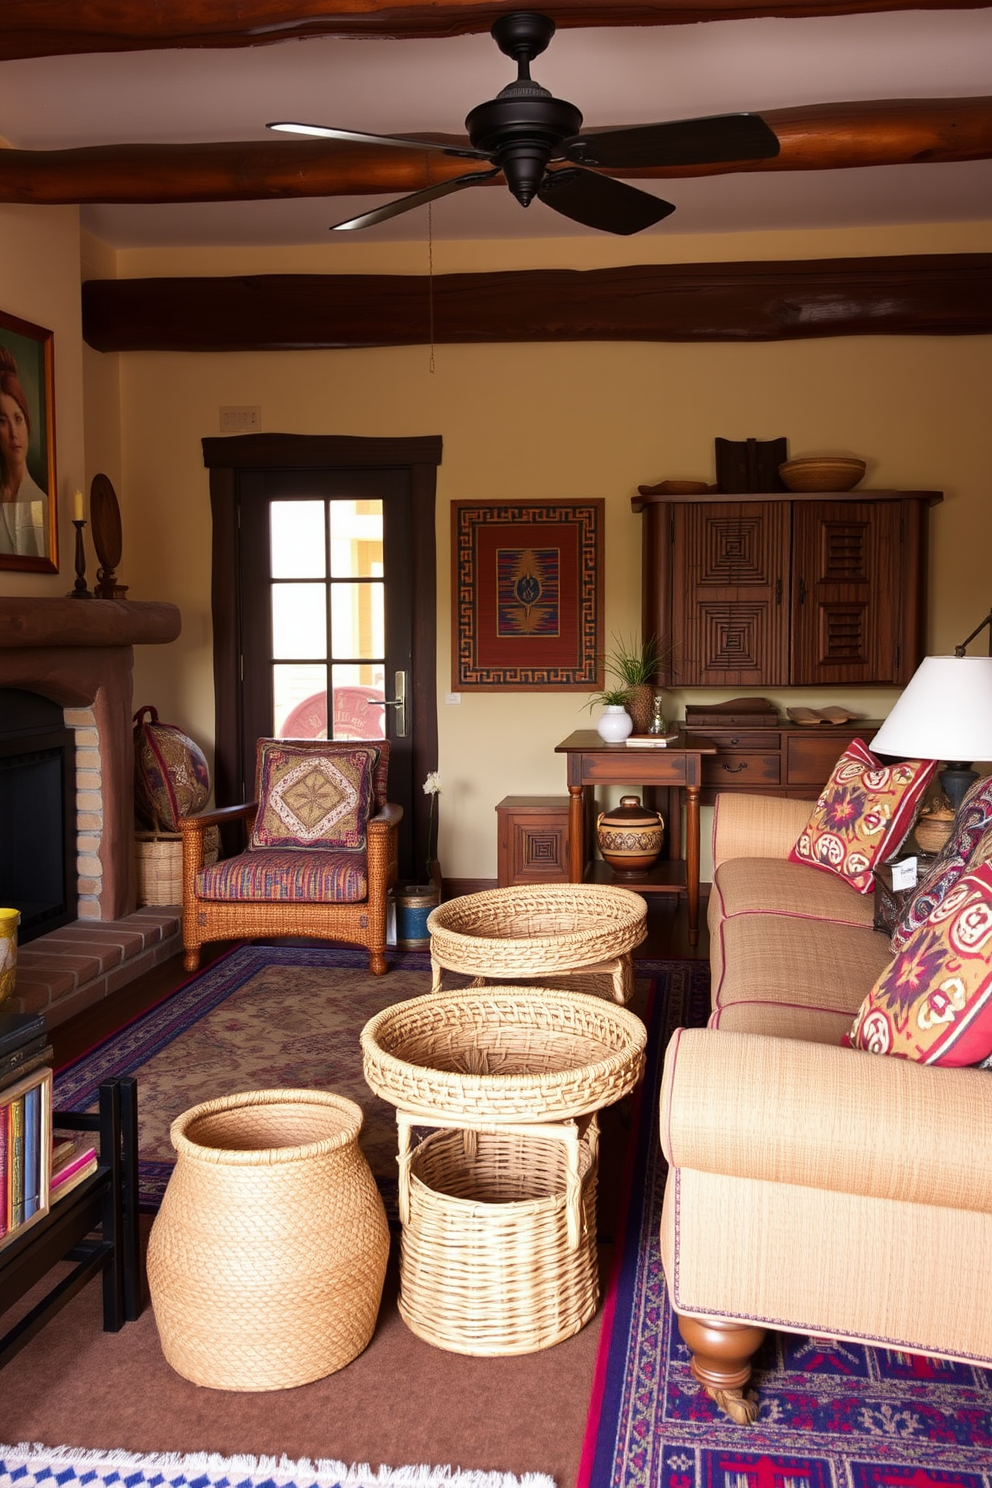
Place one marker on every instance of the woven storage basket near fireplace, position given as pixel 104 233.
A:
pixel 486 1265
pixel 159 859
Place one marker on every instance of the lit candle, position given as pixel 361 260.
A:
pixel 77 507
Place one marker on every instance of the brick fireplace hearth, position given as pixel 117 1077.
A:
pixel 79 653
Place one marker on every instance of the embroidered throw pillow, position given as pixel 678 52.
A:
pixel 863 814
pixel 313 798
pixel 972 821
pixel 933 1003
pixel 171 778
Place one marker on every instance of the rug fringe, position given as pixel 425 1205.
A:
pixel 303 1473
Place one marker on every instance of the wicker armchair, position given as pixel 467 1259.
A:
pixel 321 856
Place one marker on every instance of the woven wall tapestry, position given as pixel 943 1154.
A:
pixel 527 596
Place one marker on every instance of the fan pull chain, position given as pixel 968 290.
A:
pixel 430 280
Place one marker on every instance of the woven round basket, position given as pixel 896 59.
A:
pixel 932 831
pixel 529 929
pixel 485 1263
pixel 503 1054
pixel 267 1258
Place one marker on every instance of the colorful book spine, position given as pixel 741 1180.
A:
pixel 15 1162
pixel 32 1151
pixel 3 1172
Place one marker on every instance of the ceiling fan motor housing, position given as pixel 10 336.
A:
pixel 520 131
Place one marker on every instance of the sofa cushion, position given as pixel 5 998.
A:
pixel 934 1003
pixel 785 961
pixel 311 799
pixel 863 814
pixel 747 886
pixel 971 823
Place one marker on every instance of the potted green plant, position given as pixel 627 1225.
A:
pixel 636 665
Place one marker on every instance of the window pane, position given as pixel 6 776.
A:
pixel 357 620
pixel 356 539
pixel 299 620
pixel 296 530
pixel 353 717
pixel 299 702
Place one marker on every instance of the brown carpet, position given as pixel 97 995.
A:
pixel 401 1402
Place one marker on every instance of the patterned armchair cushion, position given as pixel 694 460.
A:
pixel 171 778
pixel 863 814
pixel 933 1003
pixel 313 797
pixel 287 876
pixel 971 824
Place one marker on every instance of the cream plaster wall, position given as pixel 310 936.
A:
pixel 548 421
pixel 39 274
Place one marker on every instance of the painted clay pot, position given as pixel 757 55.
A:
pixel 630 836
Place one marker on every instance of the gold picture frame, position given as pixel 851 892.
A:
pixel 28 487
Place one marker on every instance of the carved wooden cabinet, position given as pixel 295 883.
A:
pixel 786 590
pixel 532 840
pixel 790 759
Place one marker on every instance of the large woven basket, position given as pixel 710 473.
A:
pixel 159 861
pixel 486 1266
pixel 267 1258
pixel 530 929
pixel 503 1054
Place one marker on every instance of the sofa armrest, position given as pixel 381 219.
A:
pixel 787 1111
pixel 746 826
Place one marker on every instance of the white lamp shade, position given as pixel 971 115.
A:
pixel 944 714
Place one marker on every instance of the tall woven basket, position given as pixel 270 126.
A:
pixel 486 1266
pixel 267 1258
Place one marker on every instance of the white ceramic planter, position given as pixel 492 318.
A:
pixel 614 725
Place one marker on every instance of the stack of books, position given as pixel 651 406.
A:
pixel 74 1158
pixel 24 1118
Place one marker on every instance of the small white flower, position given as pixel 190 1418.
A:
pixel 432 784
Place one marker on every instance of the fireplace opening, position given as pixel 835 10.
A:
pixel 37 812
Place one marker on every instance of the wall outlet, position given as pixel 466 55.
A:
pixel 240 420
pixel 452 697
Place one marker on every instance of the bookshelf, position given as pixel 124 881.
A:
pixel 95 1226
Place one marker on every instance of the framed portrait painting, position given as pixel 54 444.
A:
pixel 527 588
pixel 28 513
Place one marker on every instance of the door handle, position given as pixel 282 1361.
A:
pixel 398 702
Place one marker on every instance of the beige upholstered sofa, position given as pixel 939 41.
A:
pixel 813 1188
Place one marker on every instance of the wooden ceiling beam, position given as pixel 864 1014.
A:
pixel 45 28
pixel 827 136
pixel 931 294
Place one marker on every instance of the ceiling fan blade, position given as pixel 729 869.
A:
pixel 600 202
pixel 415 199
pixel 681 142
pixel 355 137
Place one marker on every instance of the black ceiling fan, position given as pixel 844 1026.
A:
pixel 524 130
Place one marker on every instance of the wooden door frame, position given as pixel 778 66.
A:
pixel 224 458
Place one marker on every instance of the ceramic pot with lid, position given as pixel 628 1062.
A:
pixel 630 836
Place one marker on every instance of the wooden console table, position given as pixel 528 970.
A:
pixel 591 762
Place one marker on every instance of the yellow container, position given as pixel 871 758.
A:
pixel 9 921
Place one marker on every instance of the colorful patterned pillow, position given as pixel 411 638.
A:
pixel 933 1003
pixel 863 814
pixel 171 778
pixel 313 797
pixel 972 821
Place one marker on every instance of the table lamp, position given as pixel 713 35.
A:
pixel 945 713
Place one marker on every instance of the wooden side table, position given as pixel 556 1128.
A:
pixel 677 768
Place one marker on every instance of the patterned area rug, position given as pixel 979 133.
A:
pixel 27 1466
pixel 832 1415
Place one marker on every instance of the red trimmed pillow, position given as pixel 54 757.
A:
pixel 863 815
pixel 933 1003
pixel 171 778
pixel 313 797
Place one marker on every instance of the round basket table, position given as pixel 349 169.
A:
pixel 541 933
pixel 498 1203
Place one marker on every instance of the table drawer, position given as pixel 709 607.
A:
pixel 763 741
pixel 811 758
pixel 734 768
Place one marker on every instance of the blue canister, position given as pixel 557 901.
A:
pixel 414 903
